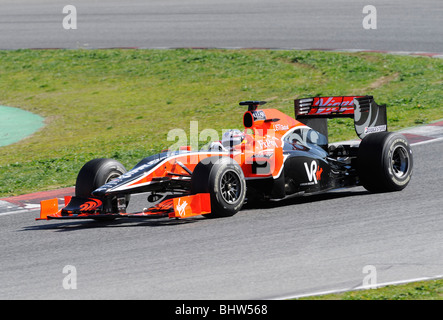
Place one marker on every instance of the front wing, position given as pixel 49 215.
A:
pixel 175 207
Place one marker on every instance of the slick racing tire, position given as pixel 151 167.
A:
pixel 96 173
pixel 224 180
pixel 384 162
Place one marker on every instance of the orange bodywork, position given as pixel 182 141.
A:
pixel 264 146
pixel 48 208
pixel 180 207
pixel 193 205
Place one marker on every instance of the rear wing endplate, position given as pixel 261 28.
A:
pixel 369 117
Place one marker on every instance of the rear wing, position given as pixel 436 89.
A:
pixel 369 117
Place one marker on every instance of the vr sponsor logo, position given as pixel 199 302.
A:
pixel 313 172
pixel 333 102
pixel 280 127
pixel 267 143
pixel 258 115
pixel 375 129
pixel 181 208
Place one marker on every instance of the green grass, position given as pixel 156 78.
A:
pixel 421 290
pixel 122 103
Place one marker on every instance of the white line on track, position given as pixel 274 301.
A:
pixel 13 212
pixel 380 285
pixel 427 141
pixel 28 208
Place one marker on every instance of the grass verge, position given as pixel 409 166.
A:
pixel 122 103
pixel 421 290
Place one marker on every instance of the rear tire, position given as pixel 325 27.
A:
pixel 384 162
pixel 224 180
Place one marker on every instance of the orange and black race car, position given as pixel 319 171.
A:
pixel 275 157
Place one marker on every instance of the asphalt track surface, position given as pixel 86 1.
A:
pixel 402 25
pixel 295 247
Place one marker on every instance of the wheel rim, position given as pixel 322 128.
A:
pixel 112 176
pixel 400 162
pixel 230 187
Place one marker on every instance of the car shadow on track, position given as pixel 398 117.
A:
pixel 73 225
pixel 309 198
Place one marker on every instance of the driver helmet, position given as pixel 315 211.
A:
pixel 232 138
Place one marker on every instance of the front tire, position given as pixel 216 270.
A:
pixel 224 180
pixel 96 173
pixel 384 162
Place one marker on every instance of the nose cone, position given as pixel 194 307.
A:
pixel 125 183
pixel 110 186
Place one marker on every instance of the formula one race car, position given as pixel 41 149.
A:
pixel 276 157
